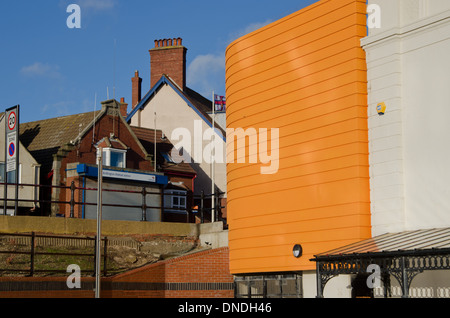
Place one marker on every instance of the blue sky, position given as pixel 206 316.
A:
pixel 51 70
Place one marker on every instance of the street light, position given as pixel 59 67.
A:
pixel 99 223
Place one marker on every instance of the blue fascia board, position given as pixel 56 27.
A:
pixel 92 171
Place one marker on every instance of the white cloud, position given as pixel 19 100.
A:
pixel 90 5
pixel 205 74
pixel 255 26
pixel 248 29
pixel 39 69
pixel 97 4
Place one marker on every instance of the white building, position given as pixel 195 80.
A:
pixel 408 69
pixel 408 110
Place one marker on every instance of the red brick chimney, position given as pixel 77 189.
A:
pixel 136 89
pixel 123 107
pixel 168 58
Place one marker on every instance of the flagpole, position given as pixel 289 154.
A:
pixel 213 201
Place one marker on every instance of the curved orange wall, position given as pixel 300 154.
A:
pixel 306 75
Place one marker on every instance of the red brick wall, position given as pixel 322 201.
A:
pixel 169 61
pixel 200 275
pixel 189 276
pixel 86 153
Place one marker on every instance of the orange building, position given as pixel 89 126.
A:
pixel 305 75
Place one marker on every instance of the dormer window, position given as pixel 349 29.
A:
pixel 114 152
pixel 114 158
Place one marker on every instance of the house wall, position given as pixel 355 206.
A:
pixel 85 153
pixel 29 173
pixel 173 113
pixel 407 70
pixel 306 75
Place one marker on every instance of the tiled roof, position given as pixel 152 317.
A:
pixel 147 138
pixel 44 138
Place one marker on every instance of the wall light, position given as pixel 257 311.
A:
pixel 297 250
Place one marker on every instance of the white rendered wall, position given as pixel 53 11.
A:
pixel 337 287
pixel 409 69
pixel 28 173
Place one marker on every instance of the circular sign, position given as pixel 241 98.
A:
pixel 12 121
pixel 11 149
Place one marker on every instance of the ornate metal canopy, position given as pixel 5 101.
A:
pixel 402 255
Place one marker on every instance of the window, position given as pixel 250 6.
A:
pixel 175 200
pixel 285 285
pixel 11 175
pixel 117 159
pixel 114 157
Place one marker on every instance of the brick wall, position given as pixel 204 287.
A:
pixel 168 59
pixel 199 275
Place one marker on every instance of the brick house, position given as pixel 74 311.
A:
pixel 67 149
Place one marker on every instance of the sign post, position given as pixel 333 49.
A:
pixel 11 153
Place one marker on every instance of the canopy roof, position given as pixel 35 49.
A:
pixel 403 255
pixel 415 241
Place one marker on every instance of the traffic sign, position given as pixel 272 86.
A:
pixel 12 120
pixel 11 154
pixel 11 151
pixel 11 163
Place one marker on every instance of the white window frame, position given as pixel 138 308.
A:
pixel 107 157
pixel 174 197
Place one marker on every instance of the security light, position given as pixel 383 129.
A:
pixel 297 250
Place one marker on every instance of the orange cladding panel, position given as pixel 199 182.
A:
pixel 306 76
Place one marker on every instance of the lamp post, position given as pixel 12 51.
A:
pixel 99 223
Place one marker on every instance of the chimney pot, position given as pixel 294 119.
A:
pixel 170 62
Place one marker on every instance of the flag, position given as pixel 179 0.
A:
pixel 220 103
